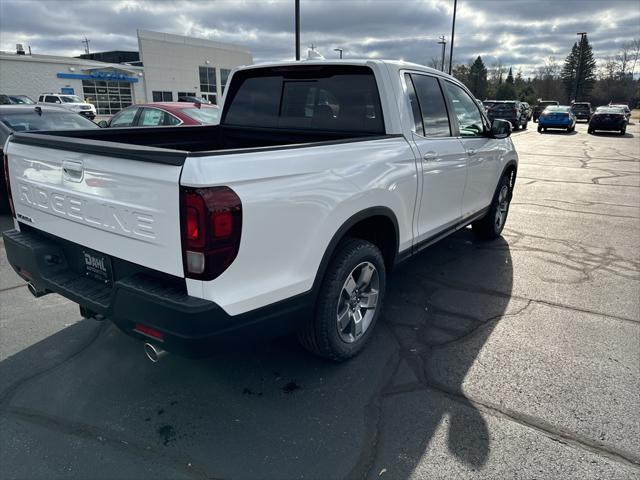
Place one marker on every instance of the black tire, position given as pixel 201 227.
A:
pixel 539 129
pixel 544 128
pixel 524 127
pixel 623 131
pixel 590 131
pixel 516 126
pixel 487 228
pixel 320 334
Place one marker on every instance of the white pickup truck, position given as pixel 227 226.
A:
pixel 289 215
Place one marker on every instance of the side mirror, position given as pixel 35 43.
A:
pixel 500 129
pixel 103 124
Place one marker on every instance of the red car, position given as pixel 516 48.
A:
pixel 164 114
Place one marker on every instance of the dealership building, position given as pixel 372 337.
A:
pixel 165 68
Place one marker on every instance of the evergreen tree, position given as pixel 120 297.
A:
pixel 510 77
pixel 477 78
pixel 579 71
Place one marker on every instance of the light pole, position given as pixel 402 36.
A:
pixel 453 31
pixel 338 50
pixel 582 35
pixel 297 29
pixel 442 42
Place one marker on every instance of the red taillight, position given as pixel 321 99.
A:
pixel 7 182
pixel 211 228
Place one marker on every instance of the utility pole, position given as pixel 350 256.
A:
pixel 338 50
pixel 297 29
pixel 582 35
pixel 86 44
pixel 453 31
pixel 442 42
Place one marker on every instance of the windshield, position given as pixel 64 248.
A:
pixel 556 109
pixel 207 116
pixel 581 106
pixel 21 99
pixel 71 99
pixel 25 121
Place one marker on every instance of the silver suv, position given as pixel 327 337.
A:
pixel 70 102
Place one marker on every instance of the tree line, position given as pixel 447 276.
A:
pixel 580 78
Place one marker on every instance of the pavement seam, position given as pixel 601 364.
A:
pixel 102 436
pixel 555 433
pixel 8 393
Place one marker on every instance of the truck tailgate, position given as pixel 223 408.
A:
pixel 125 208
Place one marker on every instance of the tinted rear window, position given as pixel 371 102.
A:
pixel 343 98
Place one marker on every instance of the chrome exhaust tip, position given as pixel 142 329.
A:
pixel 34 291
pixel 154 353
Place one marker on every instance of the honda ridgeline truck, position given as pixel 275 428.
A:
pixel 288 216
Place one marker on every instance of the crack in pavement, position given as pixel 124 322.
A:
pixel 597 214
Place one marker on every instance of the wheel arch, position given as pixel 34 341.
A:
pixel 357 225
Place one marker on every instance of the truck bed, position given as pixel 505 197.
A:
pixel 172 144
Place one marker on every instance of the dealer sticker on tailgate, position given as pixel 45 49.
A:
pixel 98 266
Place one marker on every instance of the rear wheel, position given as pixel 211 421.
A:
pixel 623 131
pixel 539 129
pixel 490 226
pixel 590 131
pixel 349 302
pixel 524 127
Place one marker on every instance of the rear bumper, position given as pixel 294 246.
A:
pixel 190 326
pixel 607 125
pixel 543 122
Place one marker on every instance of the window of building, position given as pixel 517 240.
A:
pixel 224 76
pixel 162 96
pixel 186 94
pixel 208 83
pixel 108 97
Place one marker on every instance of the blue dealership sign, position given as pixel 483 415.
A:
pixel 98 75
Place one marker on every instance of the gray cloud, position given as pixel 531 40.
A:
pixel 520 33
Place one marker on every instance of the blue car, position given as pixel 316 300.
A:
pixel 557 116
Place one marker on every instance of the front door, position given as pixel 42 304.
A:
pixel 483 152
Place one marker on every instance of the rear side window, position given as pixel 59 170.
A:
pixel 51 99
pixel 433 110
pixel 341 98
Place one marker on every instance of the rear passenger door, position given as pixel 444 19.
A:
pixel 483 152
pixel 443 159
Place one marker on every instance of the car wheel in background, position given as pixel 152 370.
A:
pixel 539 129
pixel 524 127
pixel 490 226
pixel 349 302
pixel 623 131
pixel 590 131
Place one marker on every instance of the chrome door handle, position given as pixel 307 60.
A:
pixel 428 156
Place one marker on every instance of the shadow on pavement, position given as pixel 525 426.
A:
pixel 274 411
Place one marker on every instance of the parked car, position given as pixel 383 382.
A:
pixel 510 110
pixel 288 215
pixel 625 108
pixel 528 110
pixel 608 118
pixel 164 114
pixel 70 102
pixel 15 100
pixel 557 116
pixel 19 118
pixel 538 109
pixel 194 99
pixel 582 110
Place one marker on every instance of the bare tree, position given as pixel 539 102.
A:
pixel 435 63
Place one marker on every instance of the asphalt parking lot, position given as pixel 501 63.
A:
pixel 518 358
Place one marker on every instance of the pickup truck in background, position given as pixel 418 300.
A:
pixel 287 216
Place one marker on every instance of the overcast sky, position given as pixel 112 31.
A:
pixel 521 33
